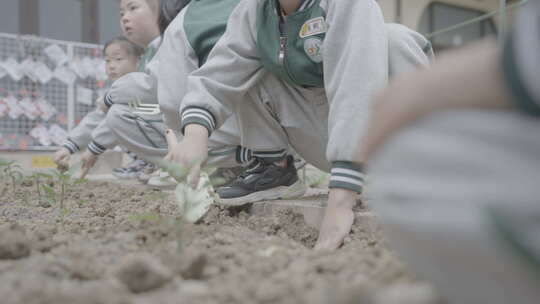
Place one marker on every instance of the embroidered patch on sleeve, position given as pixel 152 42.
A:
pixel 313 27
pixel 314 49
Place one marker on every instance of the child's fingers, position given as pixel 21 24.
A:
pixel 169 157
pixel 172 141
pixel 85 168
pixel 193 177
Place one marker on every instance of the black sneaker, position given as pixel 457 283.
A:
pixel 134 169
pixel 227 175
pixel 263 181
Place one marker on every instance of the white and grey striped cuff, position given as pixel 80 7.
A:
pixel 243 155
pixel 108 100
pixel 71 146
pixel 270 155
pixel 96 148
pixel 200 116
pixel 347 175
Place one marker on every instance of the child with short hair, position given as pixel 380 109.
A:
pixel 121 57
pixel 139 23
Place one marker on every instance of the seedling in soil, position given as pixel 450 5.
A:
pixel 43 198
pixel 65 180
pixel 13 171
pixel 192 203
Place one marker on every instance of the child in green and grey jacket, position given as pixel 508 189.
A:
pixel 326 59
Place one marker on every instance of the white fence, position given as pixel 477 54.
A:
pixel 46 88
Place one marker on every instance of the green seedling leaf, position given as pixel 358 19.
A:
pixel 193 204
pixel 64 212
pixel 48 189
pixel 80 181
pixel 175 170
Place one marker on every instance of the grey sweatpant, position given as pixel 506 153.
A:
pixel 284 118
pixel 432 185
pixel 144 135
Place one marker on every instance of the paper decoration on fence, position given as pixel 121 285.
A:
pixel 101 72
pixel 23 143
pixel 42 135
pixel 31 111
pixel 58 135
pixel 56 54
pixel 3 108
pixel 62 118
pixel 42 72
pixel 65 75
pixel 11 66
pixel 27 68
pixel 84 96
pixel 89 66
pixel 76 66
pixel 47 110
pixel 15 110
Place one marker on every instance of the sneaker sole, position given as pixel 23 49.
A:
pixel 157 183
pixel 293 191
pixel 125 176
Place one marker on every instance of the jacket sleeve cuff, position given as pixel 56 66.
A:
pixel 96 148
pixel 71 146
pixel 523 97
pixel 199 116
pixel 347 175
pixel 108 100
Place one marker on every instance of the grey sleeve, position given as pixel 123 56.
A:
pixel 177 61
pixel 521 59
pixel 232 68
pixel 355 67
pixel 81 135
pixel 103 138
pixel 136 86
pixel 407 49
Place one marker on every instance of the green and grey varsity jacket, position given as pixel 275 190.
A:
pixel 521 59
pixel 340 45
pixel 186 44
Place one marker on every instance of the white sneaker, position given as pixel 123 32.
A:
pixel 161 179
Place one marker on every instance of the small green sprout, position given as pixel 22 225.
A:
pixel 10 169
pixel 64 179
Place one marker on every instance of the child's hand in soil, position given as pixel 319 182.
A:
pixel 191 152
pixel 338 219
pixel 61 157
pixel 88 161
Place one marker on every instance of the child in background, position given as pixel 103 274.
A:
pixel 327 58
pixel 139 23
pixel 121 57
pixel 456 183
pixel 186 43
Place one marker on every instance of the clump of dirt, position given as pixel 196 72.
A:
pixel 143 273
pixel 14 244
pixel 125 244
